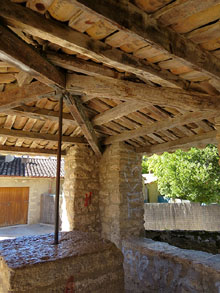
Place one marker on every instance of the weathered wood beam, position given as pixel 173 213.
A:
pixel 39 136
pixel 139 23
pixel 26 93
pixel 16 52
pixel 198 140
pixel 131 91
pixel 77 110
pixel 169 123
pixel 82 66
pixel 44 114
pixel 14 150
pixel 47 29
pixel 118 111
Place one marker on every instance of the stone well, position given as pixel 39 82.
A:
pixel 81 262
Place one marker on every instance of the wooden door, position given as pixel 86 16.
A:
pixel 13 205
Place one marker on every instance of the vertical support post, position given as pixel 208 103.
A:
pixel 56 232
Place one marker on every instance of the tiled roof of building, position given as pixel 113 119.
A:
pixel 29 167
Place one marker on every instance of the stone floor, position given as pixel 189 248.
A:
pixel 25 230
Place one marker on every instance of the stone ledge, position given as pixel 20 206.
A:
pixel 34 264
pixel 152 266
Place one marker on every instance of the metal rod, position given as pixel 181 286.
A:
pixel 57 199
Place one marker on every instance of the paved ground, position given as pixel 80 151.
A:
pixel 25 230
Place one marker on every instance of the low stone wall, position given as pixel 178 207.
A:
pixel 159 267
pixel 181 216
pixel 81 262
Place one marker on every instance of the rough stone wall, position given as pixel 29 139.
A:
pixel 37 186
pixel 81 190
pixel 80 263
pixel 159 267
pixel 120 196
pixel 181 216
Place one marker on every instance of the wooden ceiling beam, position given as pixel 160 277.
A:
pixel 139 23
pixel 82 66
pixel 16 52
pixel 24 94
pixel 39 136
pixel 118 111
pixel 198 140
pixel 169 123
pixel 130 91
pixel 44 114
pixel 37 25
pixel 23 150
pixel 77 110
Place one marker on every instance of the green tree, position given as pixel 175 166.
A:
pixel 192 175
pixel 145 169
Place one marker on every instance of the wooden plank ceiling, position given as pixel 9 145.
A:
pixel 143 72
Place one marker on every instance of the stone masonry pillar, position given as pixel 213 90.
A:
pixel 120 197
pixel 81 190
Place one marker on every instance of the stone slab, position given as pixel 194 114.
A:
pixel 81 260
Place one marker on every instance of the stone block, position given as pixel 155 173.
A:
pixel 81 262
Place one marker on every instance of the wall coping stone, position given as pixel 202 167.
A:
pixel 208 260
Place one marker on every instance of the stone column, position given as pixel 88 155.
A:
pixel 81 190
pixel 120 197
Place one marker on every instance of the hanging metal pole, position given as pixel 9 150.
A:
pixel 56 232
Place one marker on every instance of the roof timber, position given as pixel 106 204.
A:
pixel 198 140
pixel 26 93
pixel 164 39
pixel 23 150
pixel 38 113
pixel 39 136
pixel 78 112
pixel 169 123
pixel 130 91
pixel 46 29
pixel 121 110
pixel 83 66
pixel 15 51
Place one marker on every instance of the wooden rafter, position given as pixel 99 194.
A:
pixel 166 40
pixel 83 66
pixel 118 111
pixel 130 91
pixel 24 94
pixel 13 149
pixel 198 140
pixel 37 25
pixel 39 136
pixel 15 51
pixel 42 114
pixel 169 123
pixel 77 110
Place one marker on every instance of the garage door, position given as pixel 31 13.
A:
pixel 13 205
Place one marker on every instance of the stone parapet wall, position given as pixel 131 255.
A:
pixel 81 190
pixel 120 195
pixel 181 216
pixel 81 262
pixel 152 266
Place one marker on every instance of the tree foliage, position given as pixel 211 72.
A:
pixel 192 175
pixel 145 169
